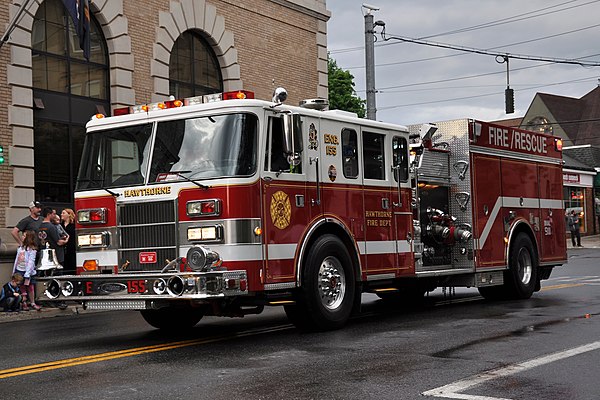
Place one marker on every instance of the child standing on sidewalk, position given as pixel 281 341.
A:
pixel 10 294
pixel 25 266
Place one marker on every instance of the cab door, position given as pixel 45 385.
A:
pixel 401 203
pixel 285 211
pixel 381 260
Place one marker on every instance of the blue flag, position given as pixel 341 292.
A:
pixel 80 14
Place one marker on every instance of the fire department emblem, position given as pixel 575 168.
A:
pixel 281 210
pixel 312 137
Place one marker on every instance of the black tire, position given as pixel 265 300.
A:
pixel 325 299
pixel 492 292
pixel 173 319
pixel 521 277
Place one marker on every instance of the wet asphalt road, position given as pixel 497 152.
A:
pixel 543 348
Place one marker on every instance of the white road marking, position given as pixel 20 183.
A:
pixel 453 390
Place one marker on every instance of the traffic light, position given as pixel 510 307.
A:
pixel 509 96
pixel 1 154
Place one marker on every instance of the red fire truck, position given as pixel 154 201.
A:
pixel 224 204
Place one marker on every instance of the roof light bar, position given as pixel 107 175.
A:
pixel 190 101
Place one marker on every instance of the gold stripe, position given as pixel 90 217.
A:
pixel 563 286
pixel 71 362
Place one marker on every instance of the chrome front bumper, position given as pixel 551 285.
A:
pixel 143 290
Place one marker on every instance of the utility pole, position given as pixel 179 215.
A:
pixel 370 59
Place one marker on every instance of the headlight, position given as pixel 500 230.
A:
pixel 205 233
pixel 92 216
pixel 101 239
pixel 203 207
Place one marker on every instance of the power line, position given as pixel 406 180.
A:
pixel 478 96
pixel 474 50
pixel 489 48
pixel 489 24
pixel 514 18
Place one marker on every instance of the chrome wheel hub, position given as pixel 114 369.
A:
pixel 525 266
pixel 332 283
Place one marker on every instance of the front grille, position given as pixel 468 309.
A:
pixel 147 227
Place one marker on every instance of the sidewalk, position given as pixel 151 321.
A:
pixel 591 242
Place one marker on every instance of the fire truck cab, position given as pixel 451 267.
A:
pixel 223 204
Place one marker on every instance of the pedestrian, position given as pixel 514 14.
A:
pixel 10 295
pixel 48 235
pixel 68 223
pixel 62 234
pixel 574 224
pixel 31 222
pixel 25 266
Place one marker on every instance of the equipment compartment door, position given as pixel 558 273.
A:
pixel 487 207
pixel 553 246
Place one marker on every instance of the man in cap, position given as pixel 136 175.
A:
pixel 32 222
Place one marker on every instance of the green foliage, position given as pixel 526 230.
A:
pixel 342 95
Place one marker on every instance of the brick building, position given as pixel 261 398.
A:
pixel 141 52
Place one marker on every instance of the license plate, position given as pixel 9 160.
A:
pixel 148 257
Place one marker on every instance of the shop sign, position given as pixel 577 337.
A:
pixel 570 178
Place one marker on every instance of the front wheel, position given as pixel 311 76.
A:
pixel 173 319
pixel 326 297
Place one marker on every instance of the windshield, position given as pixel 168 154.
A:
pixel 194 148
pixel 115 157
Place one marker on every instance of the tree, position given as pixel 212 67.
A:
pixel 342 95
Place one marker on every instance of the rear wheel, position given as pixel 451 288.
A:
pixel 173 319
pixel 521 278
pixel 326 297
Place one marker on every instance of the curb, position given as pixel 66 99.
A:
pixel 45 312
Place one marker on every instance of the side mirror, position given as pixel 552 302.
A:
pixel 292 137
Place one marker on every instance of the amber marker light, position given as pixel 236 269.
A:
pixel 258 231
pixel 558 144
pixel 90 265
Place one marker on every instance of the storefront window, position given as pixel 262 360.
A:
pixel 574 199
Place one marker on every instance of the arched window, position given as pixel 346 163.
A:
pixel 67 91
pixel 193 67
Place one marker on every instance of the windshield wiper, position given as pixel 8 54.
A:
pixel 185 178
pixel 111 192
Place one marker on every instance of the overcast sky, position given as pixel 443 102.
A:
pixel 468 85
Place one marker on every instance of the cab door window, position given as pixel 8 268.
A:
pixel 350 153
pixel 276 160
pixel 400 159
pixel 374 160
